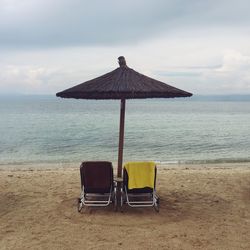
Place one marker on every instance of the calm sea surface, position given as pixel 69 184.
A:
pixel 47 129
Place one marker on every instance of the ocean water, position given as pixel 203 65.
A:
pixel 47 129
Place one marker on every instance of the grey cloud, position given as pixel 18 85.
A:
pixel 44 23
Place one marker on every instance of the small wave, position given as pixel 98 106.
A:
pixel 208 161
pixel 167 162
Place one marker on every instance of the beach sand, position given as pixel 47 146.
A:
pixel 202 207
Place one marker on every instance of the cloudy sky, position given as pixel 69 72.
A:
pixel 202 46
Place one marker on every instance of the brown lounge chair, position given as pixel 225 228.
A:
pixel 143 195
pixel 97 184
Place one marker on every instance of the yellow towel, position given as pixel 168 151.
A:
pixel 141 174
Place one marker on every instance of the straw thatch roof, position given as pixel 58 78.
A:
pixel 120 83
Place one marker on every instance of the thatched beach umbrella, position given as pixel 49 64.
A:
pixel 122 83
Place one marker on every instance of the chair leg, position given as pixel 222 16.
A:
pixel 121 200
pixel 115 199
pixel 80 201
pixel 80 205
pixel 157 203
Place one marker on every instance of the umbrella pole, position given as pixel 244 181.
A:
pixel 121 137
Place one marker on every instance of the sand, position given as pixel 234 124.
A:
pixel 202 207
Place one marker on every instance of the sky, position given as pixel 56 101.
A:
pixel 201 46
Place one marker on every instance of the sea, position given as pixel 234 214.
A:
pixel 200 129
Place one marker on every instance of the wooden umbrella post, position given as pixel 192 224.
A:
pixel 121 138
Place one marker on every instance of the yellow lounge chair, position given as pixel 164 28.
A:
pixel 139 181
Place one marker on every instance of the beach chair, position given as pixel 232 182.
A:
pixel 139 182
pixel 97 184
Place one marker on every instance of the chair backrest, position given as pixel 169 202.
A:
pixel 96 176
pixel 138 190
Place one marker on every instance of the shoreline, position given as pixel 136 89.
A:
pixel 76 165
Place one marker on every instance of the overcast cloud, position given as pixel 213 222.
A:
pixel 200 46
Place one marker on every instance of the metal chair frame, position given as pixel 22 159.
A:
pixel 87 199
pixel 153 199
pixel 91 199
